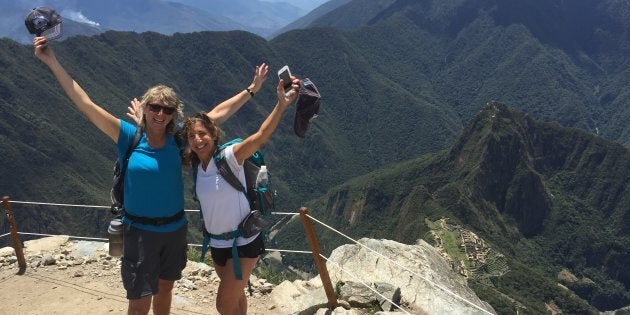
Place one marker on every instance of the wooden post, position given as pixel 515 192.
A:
pixel 15 237
pixel 319 261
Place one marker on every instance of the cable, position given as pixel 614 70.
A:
pixel 407 269
pixel 288 251
pixel 69 236
pixel 277 213
pixel 363 283
pixel 108 207
pixel 56 204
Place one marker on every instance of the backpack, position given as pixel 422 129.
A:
pixel 117 193
pixel 260 198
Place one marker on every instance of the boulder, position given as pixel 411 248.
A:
pixel 426 281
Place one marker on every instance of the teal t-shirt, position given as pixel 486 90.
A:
pixel 153 182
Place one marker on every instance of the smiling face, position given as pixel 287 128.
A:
pixel 158 115
pixel 202 135
pixel 161 107
pixel 200 141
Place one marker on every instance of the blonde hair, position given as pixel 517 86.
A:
pixel 190 158
pixel 167 96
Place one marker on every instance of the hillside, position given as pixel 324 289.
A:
pixel 167 17
pixel 545 196
pixel 113 67
pixel 557 60
pixel 400 81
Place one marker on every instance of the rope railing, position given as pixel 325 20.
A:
pixel 105 240
pixel 449 292
pixel 364 284
pixel 314 252
pixel 108 207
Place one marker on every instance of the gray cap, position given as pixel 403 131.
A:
pixel 307 106
pixel 43 21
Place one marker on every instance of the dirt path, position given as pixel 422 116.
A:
pixel 96 288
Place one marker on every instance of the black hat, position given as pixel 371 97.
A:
pixel 43 21
pixel 307 107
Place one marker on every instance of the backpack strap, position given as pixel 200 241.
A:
pixel 132 145
pixel 229 176
pixel 123 167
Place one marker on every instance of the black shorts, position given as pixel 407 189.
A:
pixel 149 256
pixel 252 250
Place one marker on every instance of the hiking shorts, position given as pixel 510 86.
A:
pixel 253 249
pixel 149 256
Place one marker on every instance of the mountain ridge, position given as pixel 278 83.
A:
pixel 397 92
pixel 525 186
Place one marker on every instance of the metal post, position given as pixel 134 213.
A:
pixel 319 262
pixel 15 237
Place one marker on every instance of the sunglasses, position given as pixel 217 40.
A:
pixel 165 109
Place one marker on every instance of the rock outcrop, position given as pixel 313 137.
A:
pixel 420 279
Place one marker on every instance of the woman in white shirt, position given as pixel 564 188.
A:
pixel 222 205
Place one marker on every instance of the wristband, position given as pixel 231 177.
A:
pixel 250 91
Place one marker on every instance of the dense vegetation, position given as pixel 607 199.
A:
pixel 399 80
pixel 545 196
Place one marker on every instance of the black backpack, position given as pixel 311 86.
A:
pixel 117 193
pixel 260 198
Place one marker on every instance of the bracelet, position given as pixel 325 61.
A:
pixel 250 91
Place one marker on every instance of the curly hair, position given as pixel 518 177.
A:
pixel 190 158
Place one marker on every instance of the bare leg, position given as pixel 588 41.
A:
pixel 139 306
pixel 231 289
pixel 162 300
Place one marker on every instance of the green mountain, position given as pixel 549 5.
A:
pixel 399 80
pixel 545 196
pixel 562 61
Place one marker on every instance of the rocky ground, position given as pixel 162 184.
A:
pixel 79 277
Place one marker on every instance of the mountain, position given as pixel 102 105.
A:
pixel 306 5
pixel 399 80
pixel 259 17
pixel 115 66
pixel 315 14
pixel 569 54
pixel 166 17
pixel 546 196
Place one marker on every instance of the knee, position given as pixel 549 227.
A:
pixel 224 307
pixel 165 286
pixel 140 306
pixel 227 305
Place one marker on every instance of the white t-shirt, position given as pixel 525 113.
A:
pixel 223 206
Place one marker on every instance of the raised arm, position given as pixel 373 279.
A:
pixel 255 141
pixel 103 120
pixel 227 108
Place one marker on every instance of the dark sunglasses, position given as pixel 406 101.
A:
pixel 165 109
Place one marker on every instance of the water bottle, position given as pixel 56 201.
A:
pixel 262 180
pixel 115 237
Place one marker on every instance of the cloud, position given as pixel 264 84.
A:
pixel 78 17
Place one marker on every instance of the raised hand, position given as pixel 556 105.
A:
pixel 260 76
pixel 287 98
pixel 134 111
pixel 42 51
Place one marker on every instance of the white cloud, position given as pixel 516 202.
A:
pixel 78 17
